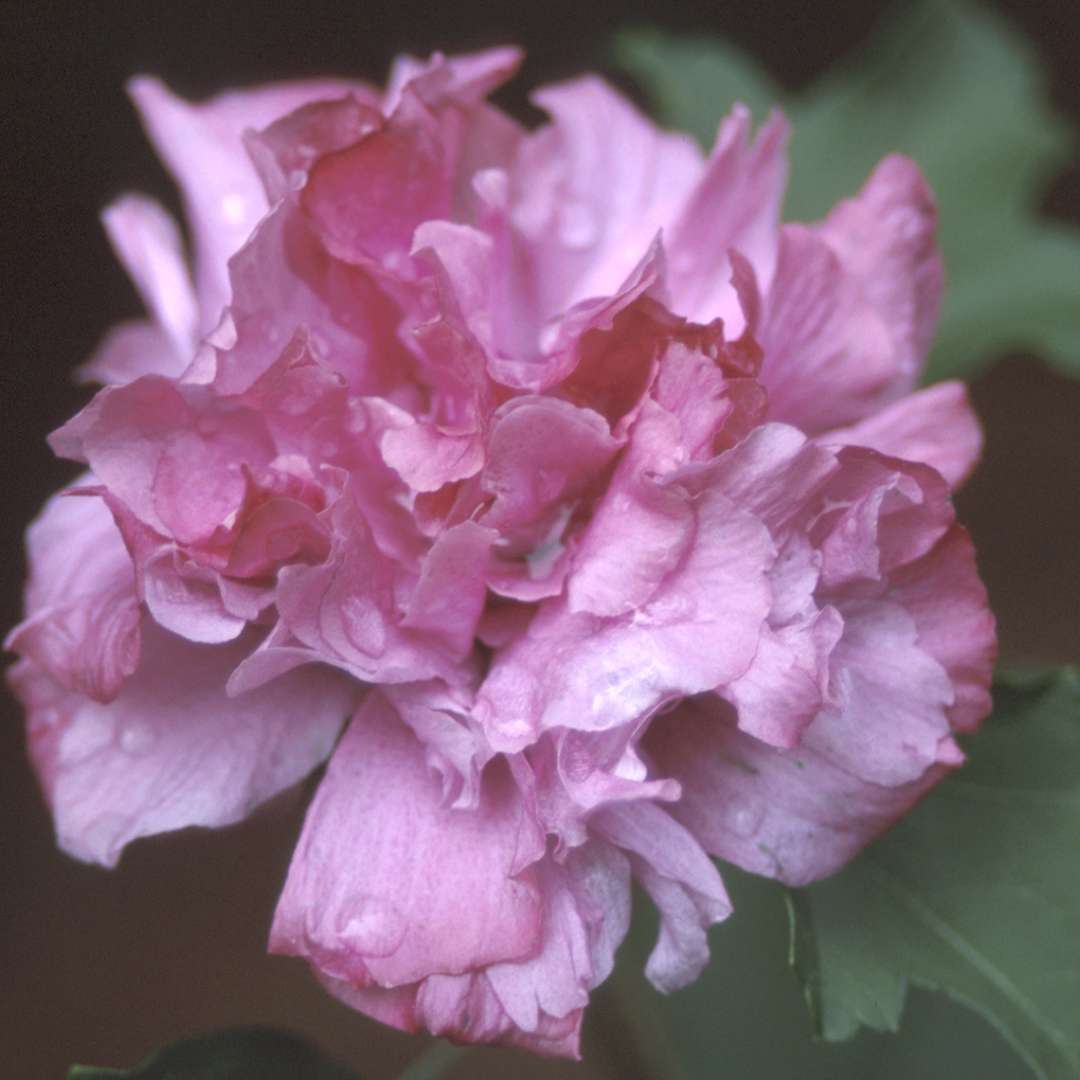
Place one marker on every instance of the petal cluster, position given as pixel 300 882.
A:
pixel 582 517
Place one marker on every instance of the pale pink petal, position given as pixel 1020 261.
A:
pixel 388 885
pixel 543 457
pixel 592 190
pixel 185 598
pixel 172 750
pixel 790 814
pixel 936 426
pixel 680 878
pixel 879 514
pixel 82 613
pixel 465 77
pixel 148 243
pixel 202 144
pixel 886 238
pixel 889 715
pixel 130 350
pixel 363 612
pixel 735 204
pixel 848 317
pixel 439 716
pixel 787 684
pixel 536 1003
pixel 587 914
pixel 449 596
pixel 610 575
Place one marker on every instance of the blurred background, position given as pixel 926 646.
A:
pixel 102 967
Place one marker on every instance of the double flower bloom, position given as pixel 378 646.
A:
pixel 583 516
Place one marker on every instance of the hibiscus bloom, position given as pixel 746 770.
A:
pixel 579 515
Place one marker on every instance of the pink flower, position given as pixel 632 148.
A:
pixel 585 519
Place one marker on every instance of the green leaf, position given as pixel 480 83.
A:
pixel 976 893
pixel 960 91
pixel 745 1015
pixel 237 1054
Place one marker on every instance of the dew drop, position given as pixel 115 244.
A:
pixel 578 228
pixel 136 740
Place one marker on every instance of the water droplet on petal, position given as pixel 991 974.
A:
pixel 578 228
pixel 136 740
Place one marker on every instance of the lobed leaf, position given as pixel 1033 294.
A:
pixel 976 893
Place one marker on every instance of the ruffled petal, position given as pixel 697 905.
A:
pixel 202 144
pixel 681 880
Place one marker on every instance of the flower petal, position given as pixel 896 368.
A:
pixel 387 885
pixel 172 750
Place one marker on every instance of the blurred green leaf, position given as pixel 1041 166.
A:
pixel 745 1017
pixel 236 1054
pixel 964 94
pixel 976 893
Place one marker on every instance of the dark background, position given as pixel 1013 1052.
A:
pixel 101 967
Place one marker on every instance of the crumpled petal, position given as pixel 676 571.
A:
pixel 696 631
pixel 203 148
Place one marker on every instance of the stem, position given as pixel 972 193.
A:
pixel 432 1063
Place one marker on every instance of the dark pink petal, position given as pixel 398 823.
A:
pixel 172 750
pixel 368 198
pixel 944 596
pixel 171 454
pixel 282 279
